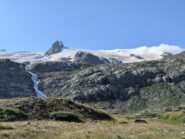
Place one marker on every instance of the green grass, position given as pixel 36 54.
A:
pixel 174 117
pixel 92 130
pixel 2 127
pixel 98 124
pixel 42 109
pixel 130 117
pixel 141 115
pixel 123 127
pixel 147 115
pixel 11 114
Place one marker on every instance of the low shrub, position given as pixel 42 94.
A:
pixel 7 114
pixel 65 116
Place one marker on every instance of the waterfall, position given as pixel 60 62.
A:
pixel 36 82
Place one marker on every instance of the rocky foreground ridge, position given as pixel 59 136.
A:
pixel 42 109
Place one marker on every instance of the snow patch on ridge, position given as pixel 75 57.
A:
pixel 148 53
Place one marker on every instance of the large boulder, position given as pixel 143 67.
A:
pixel 83 57
pixel 114 61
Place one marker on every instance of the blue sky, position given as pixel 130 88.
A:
pixel 33 25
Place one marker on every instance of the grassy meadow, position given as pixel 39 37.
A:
pixel 122 128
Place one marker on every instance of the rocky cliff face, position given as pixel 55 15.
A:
pixel 55 48
pixel 135 86
pixel 14 80
pixel 82 57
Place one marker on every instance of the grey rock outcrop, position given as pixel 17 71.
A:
pixel 114 61
pixel 167 55
pixel 14 80
pixel 57 66
pixel 55 48
pixel 83 57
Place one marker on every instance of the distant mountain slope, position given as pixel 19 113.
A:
pixel 58 52
pixel 131 86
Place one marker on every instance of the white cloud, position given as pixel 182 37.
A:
pixel 155 52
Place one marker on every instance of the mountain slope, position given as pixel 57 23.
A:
pixel 88 76
pixel 14 80
pixel 131 86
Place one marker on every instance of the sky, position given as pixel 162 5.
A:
pixel 33 25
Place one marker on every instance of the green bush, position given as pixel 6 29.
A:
pixel 65 116
pixel 7 114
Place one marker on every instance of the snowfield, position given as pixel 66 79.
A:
pixel 147 53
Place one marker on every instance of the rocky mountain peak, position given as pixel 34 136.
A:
pixel 56 47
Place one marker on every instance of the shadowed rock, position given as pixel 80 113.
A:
pixel 56 48
pixel 83 57
pixel 136 56
pixel 140 121
pixel 14 80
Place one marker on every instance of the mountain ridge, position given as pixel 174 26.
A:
pixel 58 51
